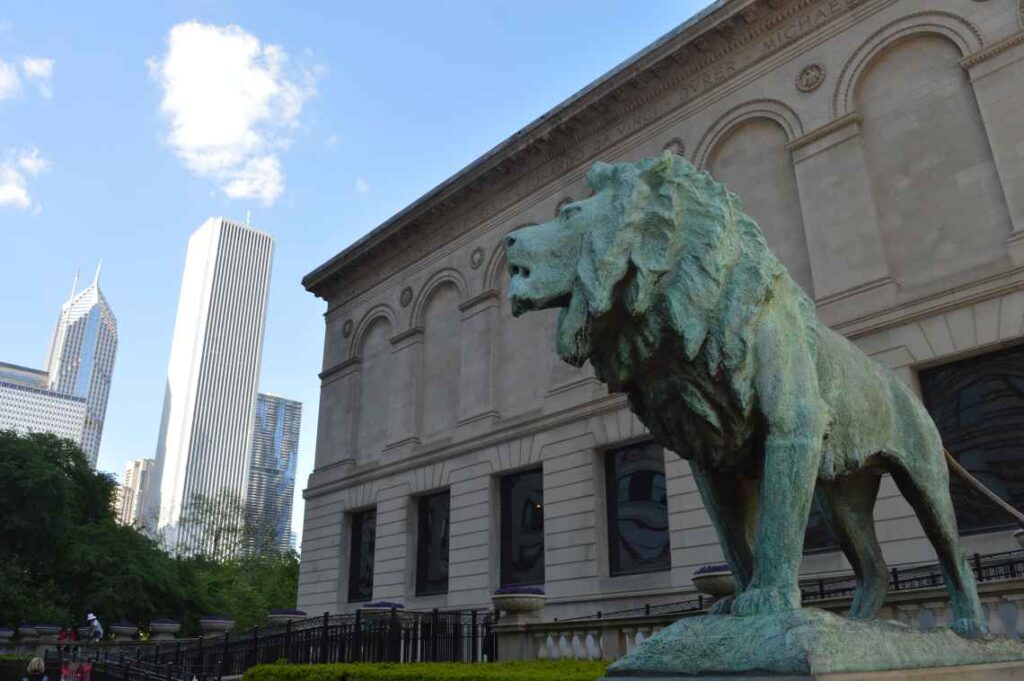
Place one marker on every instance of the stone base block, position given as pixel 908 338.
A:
pixel 814 644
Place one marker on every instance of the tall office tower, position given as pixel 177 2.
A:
pixel 134 490
pixel 81 358
pixel 205 440
pixel 275 451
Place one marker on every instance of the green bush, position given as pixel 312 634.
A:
pixel 563 670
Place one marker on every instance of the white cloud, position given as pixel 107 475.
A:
pixel 16 166
pixel 10 83
pixel 40 70
pixel 362 186
pixel 231 104
pixel 333 140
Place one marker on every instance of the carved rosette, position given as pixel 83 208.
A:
pixel 810 77
pixel 476 258
pixel 676 146
pixel 405 297
pixel 346 329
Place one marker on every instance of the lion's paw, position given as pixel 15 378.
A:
pixel 722 606
pixel 765 601
pixel 971 628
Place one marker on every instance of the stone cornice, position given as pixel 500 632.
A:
pixel 992 51
pixel 726 39
pixel 824 131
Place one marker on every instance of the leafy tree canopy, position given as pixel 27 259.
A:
pixel 62 554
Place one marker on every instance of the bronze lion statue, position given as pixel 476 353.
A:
pixel 668 288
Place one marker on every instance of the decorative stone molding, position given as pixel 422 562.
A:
pixel 405 297
pixel 562 204
pixel 957 29
pixel 676 71
pixel 340 370
pixel 811 77
pixel 346 328
pixel 676 146
pixel 476 258
pixel 989 52
pixel 382 311
pixel 445 276
pixel 825 130
pixel 772 109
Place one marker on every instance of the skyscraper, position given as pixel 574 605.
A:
pixel 69 397
pixel 271 489
pixel 206 430
pixel 134 490
pixel 81 358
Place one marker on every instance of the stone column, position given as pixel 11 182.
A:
pixel 339 395
pixel 847 255
pixel 476 387
pixel 403 426
pixel 997 74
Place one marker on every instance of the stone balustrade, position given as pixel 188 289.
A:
pixel 610 638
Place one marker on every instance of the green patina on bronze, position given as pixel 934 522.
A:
pixel 670 291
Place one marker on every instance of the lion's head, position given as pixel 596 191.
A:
pixel 658 248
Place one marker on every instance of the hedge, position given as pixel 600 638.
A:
pixel 562 670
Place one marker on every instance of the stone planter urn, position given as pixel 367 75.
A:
pixel 124 631
pixel 163 629
pixel 715 581
pixel 283 617
pixel 216 625
pixel 519 601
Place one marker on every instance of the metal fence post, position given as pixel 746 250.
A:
pixel 472 635
pixel 357 635
pixel 255 646
pixel 323 640
pixel 433 635
pixel 287 641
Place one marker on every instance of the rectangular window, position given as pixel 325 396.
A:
pixel 978 405
pixel 360 564
pixel 432 545
pixel 637 509
pixel 522 528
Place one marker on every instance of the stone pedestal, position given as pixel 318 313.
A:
pixel 814 644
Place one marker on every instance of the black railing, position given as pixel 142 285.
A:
pixel 986 568
pixel 363 636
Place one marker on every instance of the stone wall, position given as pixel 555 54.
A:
pixel 876 142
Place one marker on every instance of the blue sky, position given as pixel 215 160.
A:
pixel 118 139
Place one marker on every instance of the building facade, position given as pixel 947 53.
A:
pixel 875 143
pixel 137 475
pixel 271 485
pixel 205 439
pixel 69 397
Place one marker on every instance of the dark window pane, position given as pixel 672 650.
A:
pixel 637 509
pixel 818 537
pixel 432 545
pixel 978 405
pixel 522 528
pixel 360 569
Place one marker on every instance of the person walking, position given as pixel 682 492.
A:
pixel 95 628
pixel 36 670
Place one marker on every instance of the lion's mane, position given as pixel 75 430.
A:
pixel 682 264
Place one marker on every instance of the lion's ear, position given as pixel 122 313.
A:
pixel 600 175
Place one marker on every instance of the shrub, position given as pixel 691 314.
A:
pixel 562 670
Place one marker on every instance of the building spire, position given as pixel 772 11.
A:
pixel 96 279
pixel 74 284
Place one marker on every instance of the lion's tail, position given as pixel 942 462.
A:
pixel 955 466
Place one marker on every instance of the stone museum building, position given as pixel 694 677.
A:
pixel 879 145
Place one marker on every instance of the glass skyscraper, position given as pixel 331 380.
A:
pixel 275 450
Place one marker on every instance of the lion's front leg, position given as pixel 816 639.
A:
pixel 731 503
pixel 787 487
pixel 786 382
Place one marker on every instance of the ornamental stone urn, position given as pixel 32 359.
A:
pixel 163 629
pixel 124 631
pixel 216 625
pixel 283 617
pixel 715 581
pixel 519 602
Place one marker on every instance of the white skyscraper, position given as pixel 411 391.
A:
pixel 212 378
pixel 81 358
pixel 133 492
pixel 68 398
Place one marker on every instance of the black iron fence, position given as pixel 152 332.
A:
pixel 363 636
pixel 986 568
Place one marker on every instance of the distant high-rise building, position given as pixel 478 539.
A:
pixel 206 430
pixel 81 358
pixel 134 490
pixel 275 451
pixel 69 397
